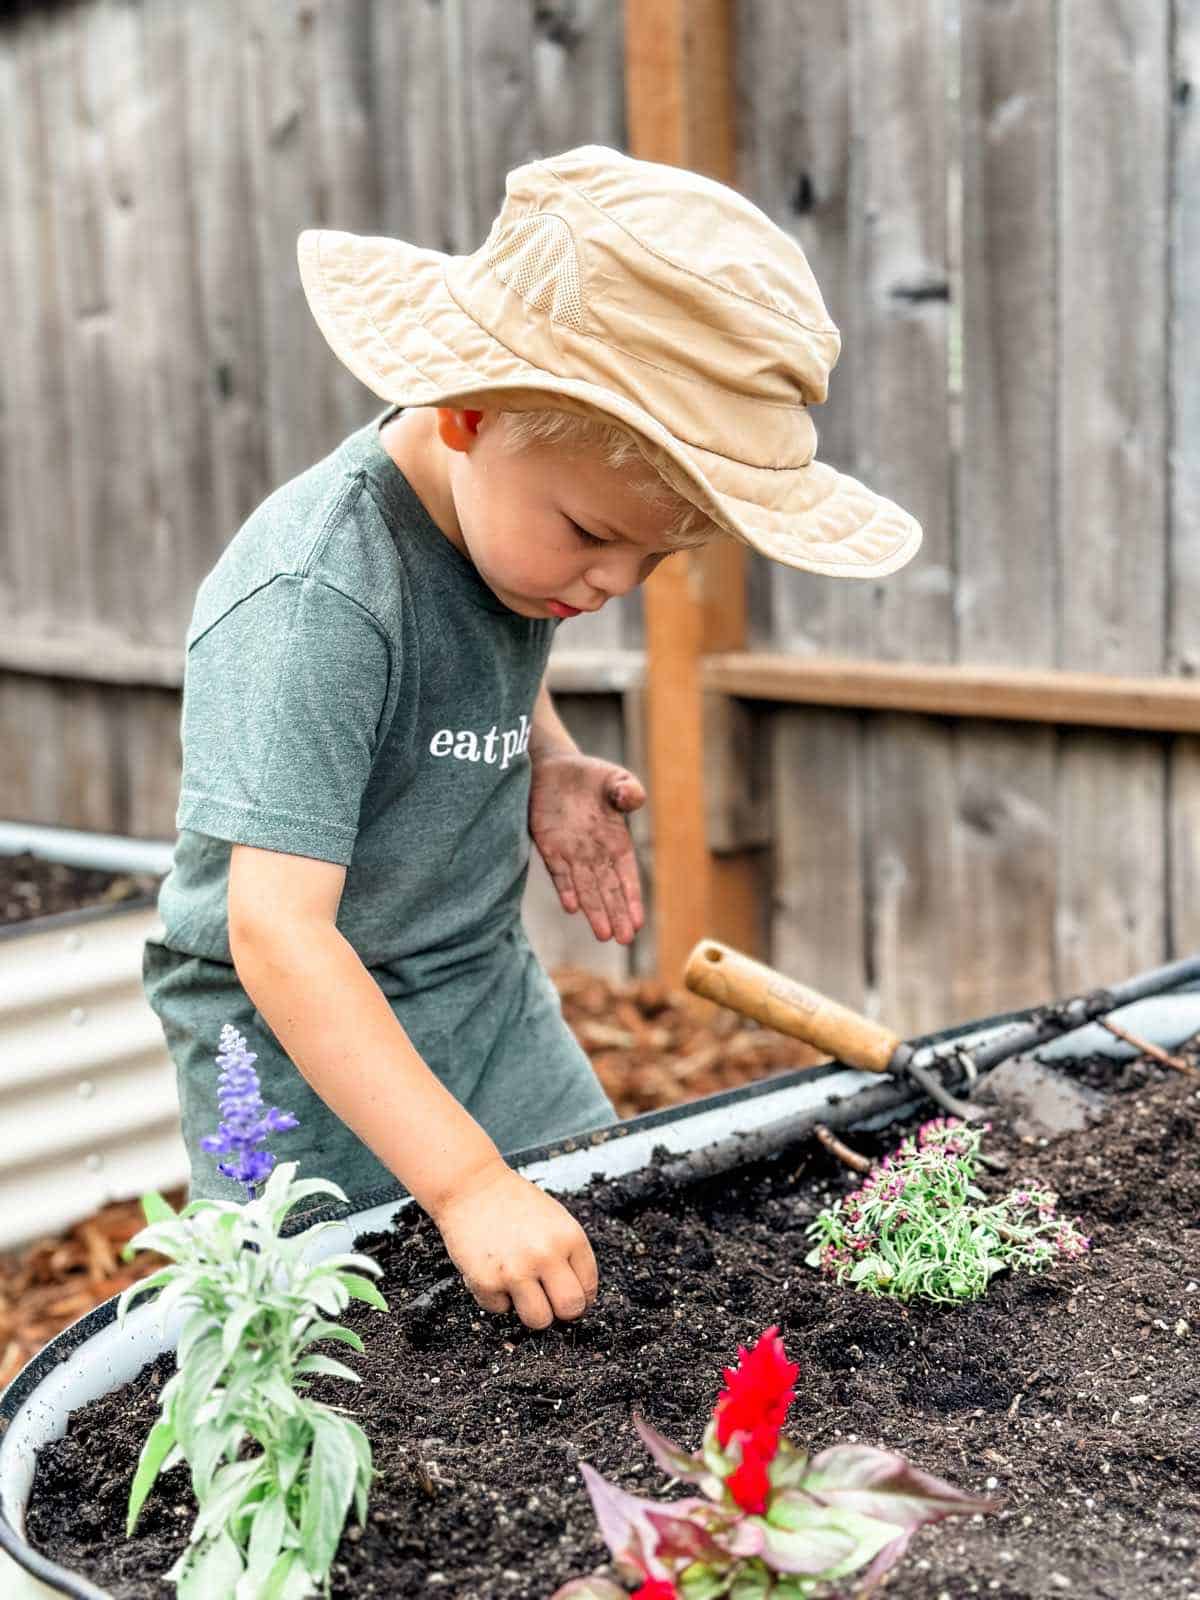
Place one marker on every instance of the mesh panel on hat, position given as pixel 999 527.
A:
pixel 536 259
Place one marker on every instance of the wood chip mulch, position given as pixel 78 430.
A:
pixel 650 1046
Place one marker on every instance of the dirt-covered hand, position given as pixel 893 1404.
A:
pixel 577 810
pixel 518 1248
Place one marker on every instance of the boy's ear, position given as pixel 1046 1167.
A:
pixel 458 428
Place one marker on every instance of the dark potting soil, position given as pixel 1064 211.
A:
pixel 1072 1397
pixel 32 887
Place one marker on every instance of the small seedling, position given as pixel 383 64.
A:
pixel 919 1228
pixel 769 1523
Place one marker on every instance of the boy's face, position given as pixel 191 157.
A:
pixel 552 534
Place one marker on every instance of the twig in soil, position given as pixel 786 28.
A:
pixel 848 1158
pixel 1144 1047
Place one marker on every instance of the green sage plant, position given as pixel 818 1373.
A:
pixel 269 1521
pixel 919 1227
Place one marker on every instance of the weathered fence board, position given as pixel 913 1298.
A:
pixel 1114 78
pixel 1183 511
pixel 1000 203
pixel 1006 553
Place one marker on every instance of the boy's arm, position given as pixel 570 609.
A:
pixel 548 736
pixel 512 1242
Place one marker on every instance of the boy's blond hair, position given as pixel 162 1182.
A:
pixel 615 447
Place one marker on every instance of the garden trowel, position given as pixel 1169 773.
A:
pixel 732 979
pixel 735 980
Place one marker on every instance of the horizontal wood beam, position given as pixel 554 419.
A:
pixel 102 658
pixel 1159 705
pixel 1167 705
pixel 92 657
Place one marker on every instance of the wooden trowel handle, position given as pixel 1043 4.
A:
pixel 745 985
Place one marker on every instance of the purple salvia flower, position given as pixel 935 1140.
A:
pixel 245 1123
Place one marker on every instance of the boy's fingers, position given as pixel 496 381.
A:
pixel 583 1265
pixel 531 1305
pixel 494 1300
pixel 592 901
pixel 626 792
pixel 614 902
pixel 564 881
pixel 631 886
pixel 564 1292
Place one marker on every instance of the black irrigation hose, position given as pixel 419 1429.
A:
pixel 1048 1022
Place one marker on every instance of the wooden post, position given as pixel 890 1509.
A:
pixel 680 105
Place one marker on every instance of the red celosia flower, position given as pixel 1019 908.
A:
pixel 656 1589
pixel 756 1396
pixel 748 1484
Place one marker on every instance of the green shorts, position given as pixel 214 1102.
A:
pixel 492 1032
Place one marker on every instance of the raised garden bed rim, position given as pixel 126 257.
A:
pixel 61 1377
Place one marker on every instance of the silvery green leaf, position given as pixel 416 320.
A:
pixel 265 1543
pixel 289 1579
pixel 212 1570
pixel 238 1390
pixel 813 1258
pixel 275 1390
pixel 172 1239
pixel 156 1209
pixel 871 1269
pixel 231 1334
pixel 361 1289
pixel 332 1330
pixel 184 1287
pixel 307 1186
pixel 362 1453
pixel 330 1295
pixel 228 1490
pixel 300 1244
pixel 328 1490
pixel 327 1365
pixel 347 1258
pixel 198 1326
pixel 158 1444
pixel 204 1365
pixel 143 1286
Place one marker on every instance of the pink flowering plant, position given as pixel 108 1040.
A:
pixel 269 1522
pixel 769 1523
pixel 919 1227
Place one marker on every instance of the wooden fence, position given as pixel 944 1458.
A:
pixel 1001 205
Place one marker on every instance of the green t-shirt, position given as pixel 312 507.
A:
pixel 354 692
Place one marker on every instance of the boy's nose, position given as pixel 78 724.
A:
pixel 617 573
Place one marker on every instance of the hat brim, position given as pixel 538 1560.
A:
pixel 433 353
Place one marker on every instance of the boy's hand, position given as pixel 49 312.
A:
pixel 518 1248
pixel 577 809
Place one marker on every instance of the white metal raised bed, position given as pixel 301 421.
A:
pixel 93 1356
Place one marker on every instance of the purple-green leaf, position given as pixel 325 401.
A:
pixel 624 1526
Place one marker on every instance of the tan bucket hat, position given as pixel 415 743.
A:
pixel 649 293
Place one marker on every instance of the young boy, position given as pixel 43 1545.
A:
pixel 623 369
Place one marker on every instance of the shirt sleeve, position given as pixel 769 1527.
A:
pixel 282 704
